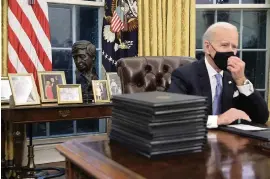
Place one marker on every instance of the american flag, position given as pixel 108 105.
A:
pixel 29 47
pixel 117 23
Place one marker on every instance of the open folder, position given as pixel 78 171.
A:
pixel 253 131
pixel 247 127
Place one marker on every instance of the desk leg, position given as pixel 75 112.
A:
pixel 109 126
pixel 3 148
pixel 31 162
pixel 13 166
pixel 72 171
pixel 9 152
pixel 30 168
pixel 69 173
pixel 19 137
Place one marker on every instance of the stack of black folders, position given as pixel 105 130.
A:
pixel 155 123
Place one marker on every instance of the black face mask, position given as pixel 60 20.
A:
pixel 221 59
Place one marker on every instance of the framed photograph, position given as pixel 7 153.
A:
pixel 69 94
pixel 114 83
pixel 48 81
pixel 101 91
pixel 5 90
pixel 24 89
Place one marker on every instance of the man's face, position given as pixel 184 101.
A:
pixel 82 60
pixel 52 80
pixel 223 40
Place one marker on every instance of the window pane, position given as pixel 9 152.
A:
pixel 203 20
pixel 232 17
pixel 199 55
pixel 97 60
pixel 262 94
pixel 91 125
pixel 61 127
pixel 204 2
pixel 38 129
pixel 254 29
pixel 255 68
pixel 253 1
pixel 62 61
pixel 87 24
pixel 227 1
pixel 60 25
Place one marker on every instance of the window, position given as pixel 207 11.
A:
pixel 252 25
pixel 230 1
pixel 68 24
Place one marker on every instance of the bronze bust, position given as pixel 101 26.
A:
pixel 84 55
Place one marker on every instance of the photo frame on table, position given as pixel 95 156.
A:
pixel 5 90
pixel 24 89
pixel 114 83
pixel 100 91
pixel 48 81
pixel 69 94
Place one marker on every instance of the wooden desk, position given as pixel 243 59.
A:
pixel 54 112
pixel 42 113
pixel 225 156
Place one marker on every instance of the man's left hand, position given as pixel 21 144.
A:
pixel 237 67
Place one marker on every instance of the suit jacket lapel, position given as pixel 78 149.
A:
pixel 204 83
pixel 227 91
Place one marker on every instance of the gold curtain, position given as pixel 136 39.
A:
pixel 4 15
pixel 166 27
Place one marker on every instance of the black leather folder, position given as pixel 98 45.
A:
pixel 158 99
pixel 173 115
pixel 162 129
pixel 154 123
pixel 157 145
pixel 151 154
pixel 159 102
pixel 261 135
pixel 185 132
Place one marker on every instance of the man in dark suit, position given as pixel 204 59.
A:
pixel 220 76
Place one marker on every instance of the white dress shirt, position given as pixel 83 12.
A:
pixel 246 89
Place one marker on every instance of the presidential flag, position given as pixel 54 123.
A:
pixel 119 32
pixel 29 46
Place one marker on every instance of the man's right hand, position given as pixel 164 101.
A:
pixel 231 115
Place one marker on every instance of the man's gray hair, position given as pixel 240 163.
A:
pixel 208 34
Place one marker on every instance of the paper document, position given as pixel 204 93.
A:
pixel 247 127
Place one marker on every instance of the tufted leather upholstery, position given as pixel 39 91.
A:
pixel 140 74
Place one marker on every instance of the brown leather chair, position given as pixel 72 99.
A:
pixel 140 74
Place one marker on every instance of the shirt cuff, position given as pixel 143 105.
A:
pixel 246 89
pixel 212 121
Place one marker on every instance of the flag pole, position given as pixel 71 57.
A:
pixel 121 14
pixel 4 40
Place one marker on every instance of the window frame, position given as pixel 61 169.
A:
pixel 48 139
pixel 267 3
pixel 97 3
pixel 266 6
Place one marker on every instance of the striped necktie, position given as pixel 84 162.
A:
pixel 218 94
